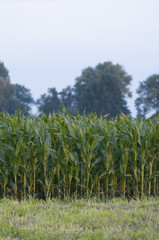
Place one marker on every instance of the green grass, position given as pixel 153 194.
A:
pixel 79 219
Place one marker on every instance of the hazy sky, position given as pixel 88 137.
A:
pixel 47 43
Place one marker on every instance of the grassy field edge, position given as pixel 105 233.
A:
pixel 79 219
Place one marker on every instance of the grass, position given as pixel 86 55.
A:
pixel 79 219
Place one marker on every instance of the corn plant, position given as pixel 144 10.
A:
pixel 61 155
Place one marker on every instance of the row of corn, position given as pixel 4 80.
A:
pixel 62 155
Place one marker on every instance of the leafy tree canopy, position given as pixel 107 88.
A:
pixel 49 102
pixel 148 99
pixel 24 98
pixel 7 101
pixel 103 89
pixel 3 71
pixel 13 96
pixel 67 99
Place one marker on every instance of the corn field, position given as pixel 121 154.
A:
pixel 62 155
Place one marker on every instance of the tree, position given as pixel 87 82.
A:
pixel 50 102
pixel 7 101
pixel 67 99
pixel 24 99
pixel 103 90
pixel 4 72
pixel 13 96
pixel 148 99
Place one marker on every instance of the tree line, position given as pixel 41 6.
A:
pixel 103 89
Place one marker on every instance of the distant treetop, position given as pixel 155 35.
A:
pixel 4 73
pixel 148 100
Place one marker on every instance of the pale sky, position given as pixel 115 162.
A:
pixel 47 43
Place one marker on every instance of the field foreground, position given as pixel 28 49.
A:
pixel 79 219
